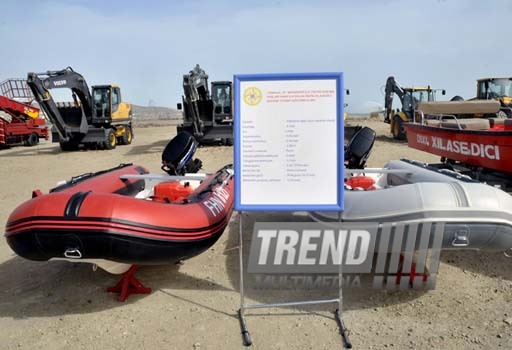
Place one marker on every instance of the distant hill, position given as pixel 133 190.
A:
pixel 150 115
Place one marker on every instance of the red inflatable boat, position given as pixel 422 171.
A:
pixel 113 215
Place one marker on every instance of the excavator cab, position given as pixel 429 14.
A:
pixel 222 101
pixel 101 100
pixel 107 104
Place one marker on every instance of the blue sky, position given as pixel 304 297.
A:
pixel 146 46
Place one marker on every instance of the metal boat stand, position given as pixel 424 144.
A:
pixel 246 335
pixel 128 285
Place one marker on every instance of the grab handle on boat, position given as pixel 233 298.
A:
pixel 422 116
pixel 461 239
pixel 231 173
pixel 73 253
pixel 377 171
pixel 452 116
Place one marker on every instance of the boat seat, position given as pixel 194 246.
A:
pixel 467 124
pixel 433 122
pixel 177 157
pixel 359 148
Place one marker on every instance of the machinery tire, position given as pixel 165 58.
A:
pixel 100 146
pixel 127 137
pixel 68 146
pixel 111 141
pixel 32 140
pixel 224 141
pixel 398 130
pixel 457 98
pixel 502 115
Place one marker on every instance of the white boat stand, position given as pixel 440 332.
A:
pixel 246 335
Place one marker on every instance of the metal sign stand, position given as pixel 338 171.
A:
pixel 246 335
pixel 300 97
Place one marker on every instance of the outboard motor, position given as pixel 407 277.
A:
pixel 177 157
pixel 359 148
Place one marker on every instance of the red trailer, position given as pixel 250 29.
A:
pixel 20 123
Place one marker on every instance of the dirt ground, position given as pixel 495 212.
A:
pixel 60 305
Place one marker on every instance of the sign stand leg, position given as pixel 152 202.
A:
pixel 243 324
pixel 338 314
pixel 246 335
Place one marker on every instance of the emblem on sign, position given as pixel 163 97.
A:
pixel 252 96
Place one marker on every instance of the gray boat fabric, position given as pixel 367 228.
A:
pixel 421 195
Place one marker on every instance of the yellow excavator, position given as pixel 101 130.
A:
pixel 409 97
pixel 96 118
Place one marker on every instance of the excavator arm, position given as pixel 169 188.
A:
pixel 196 93
pixel 206 114
pixel 392 88
pixel 41 83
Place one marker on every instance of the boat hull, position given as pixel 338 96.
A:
pixel 41 245
pixel 485 149
pixel 99 218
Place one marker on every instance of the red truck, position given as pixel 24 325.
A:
pixel 20 123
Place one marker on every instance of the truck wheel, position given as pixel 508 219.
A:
pixel 127 136
pixel 111 141
pixel 32 140
pixel 398 129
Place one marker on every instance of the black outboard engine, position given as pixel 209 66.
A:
pixel 177 157
pixel 359 148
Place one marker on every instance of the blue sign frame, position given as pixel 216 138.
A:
pixel 338 77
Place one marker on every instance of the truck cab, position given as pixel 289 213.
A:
pixel 499 89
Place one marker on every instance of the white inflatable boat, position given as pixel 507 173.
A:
pixel 476 215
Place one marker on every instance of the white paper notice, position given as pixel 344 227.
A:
pixel 288 142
